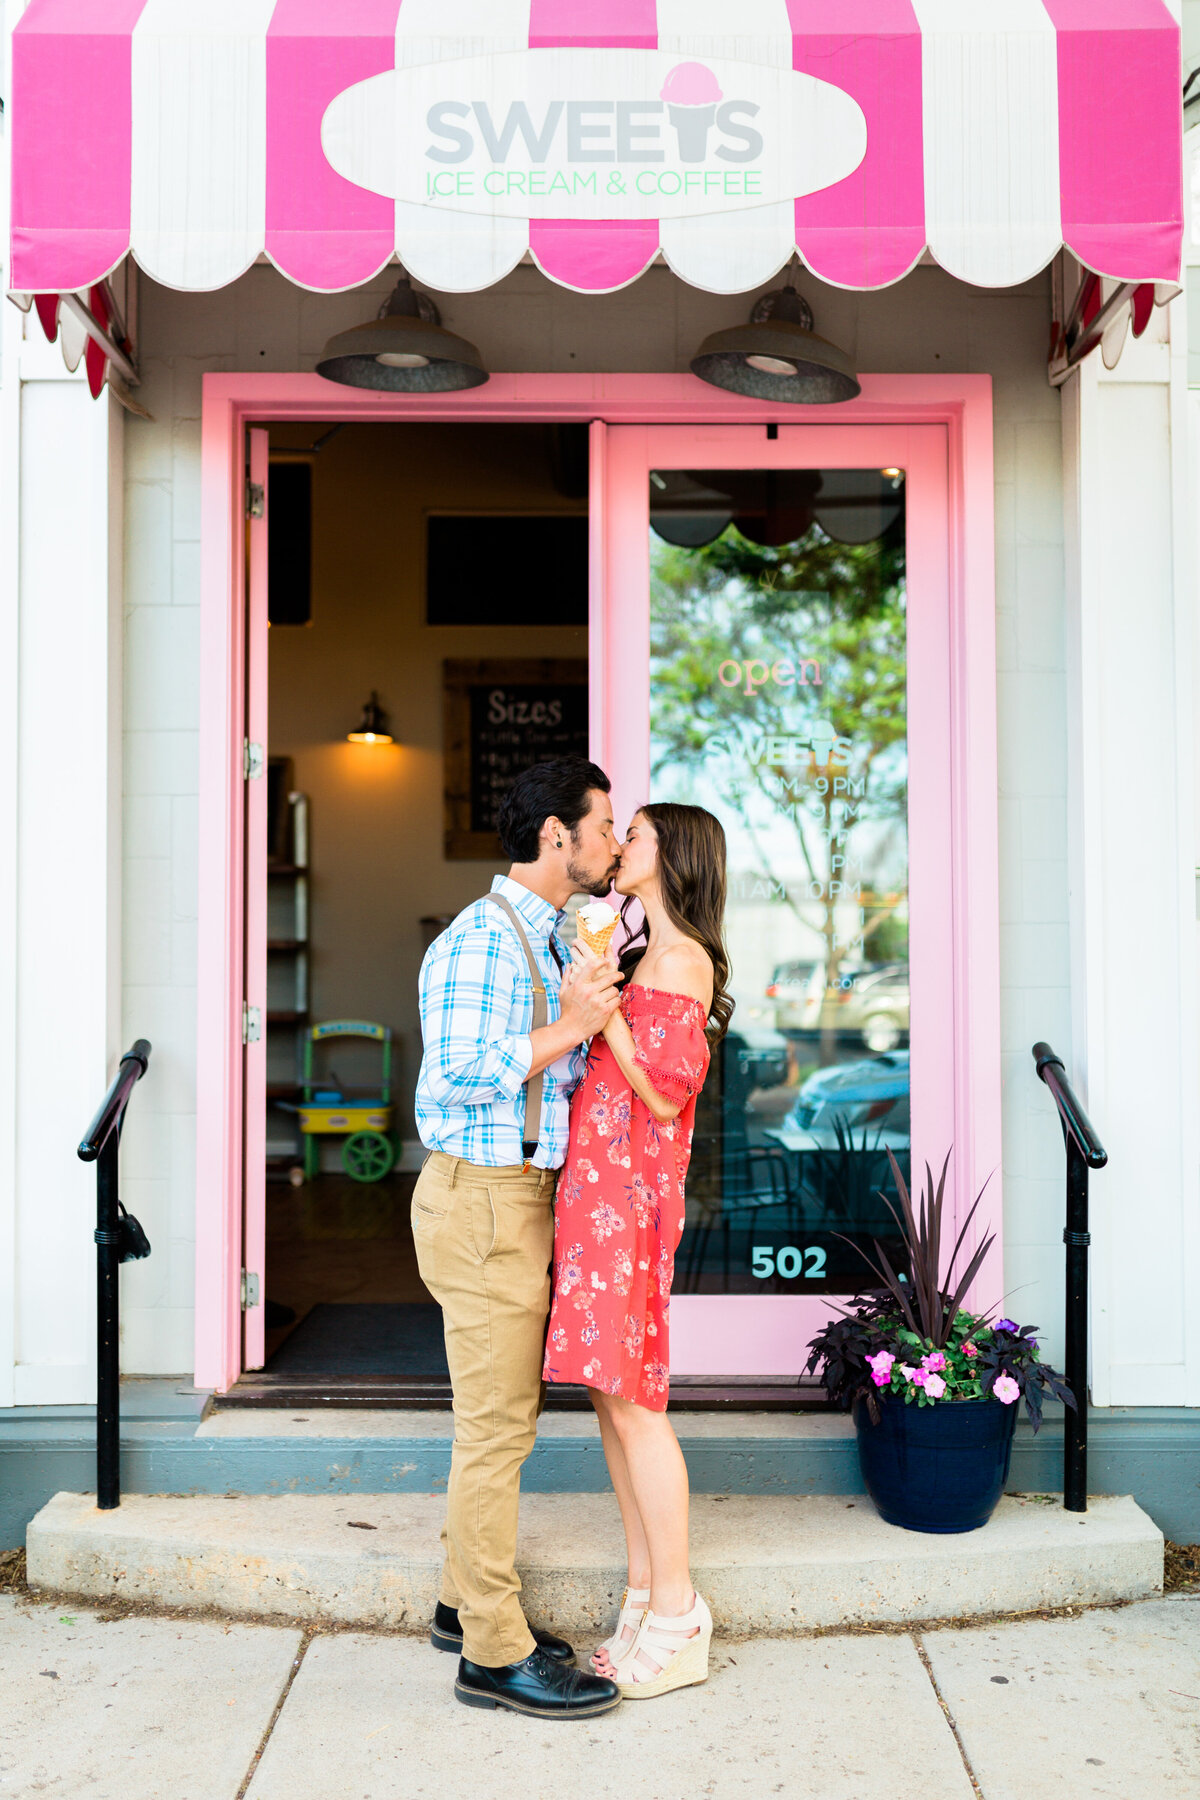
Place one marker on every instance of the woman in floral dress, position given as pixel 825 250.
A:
pixel 619 1215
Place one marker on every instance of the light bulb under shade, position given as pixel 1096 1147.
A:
pixel 372 728
pixel 744 359
pixel 773 365
pixel 402 354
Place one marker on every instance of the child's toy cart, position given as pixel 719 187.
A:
pixel 365 1121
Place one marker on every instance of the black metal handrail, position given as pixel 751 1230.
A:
pixel 118 1237
pixel 1084 1152
pixel 112 1107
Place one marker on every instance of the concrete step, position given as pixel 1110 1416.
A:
pixel 767 1564
pixel 168 1446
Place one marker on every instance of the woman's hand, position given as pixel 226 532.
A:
pixel 585 964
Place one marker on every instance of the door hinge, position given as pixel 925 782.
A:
pixel 256 500
pixel 251 1023
pixel 252 760
pixel 249 1290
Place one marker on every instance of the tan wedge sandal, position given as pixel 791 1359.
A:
pixel 661 1658
pixel 634 1602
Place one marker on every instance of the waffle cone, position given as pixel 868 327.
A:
pixel 596 941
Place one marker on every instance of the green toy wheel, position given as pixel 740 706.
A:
pixel 367 1156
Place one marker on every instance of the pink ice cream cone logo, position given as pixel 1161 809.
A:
pixel 692 96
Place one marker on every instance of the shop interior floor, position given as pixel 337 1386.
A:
pixel 365 1339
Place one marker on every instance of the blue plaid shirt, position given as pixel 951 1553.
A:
pixel 476 1003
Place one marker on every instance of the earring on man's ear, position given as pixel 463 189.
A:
pixel 558 843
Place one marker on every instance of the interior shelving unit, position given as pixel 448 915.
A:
pixel 288 1008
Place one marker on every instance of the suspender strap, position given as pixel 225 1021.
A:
pixel 532 1126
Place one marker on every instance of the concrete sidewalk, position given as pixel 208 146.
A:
pixel 1101 1706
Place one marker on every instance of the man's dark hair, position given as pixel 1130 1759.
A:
pixel 556 789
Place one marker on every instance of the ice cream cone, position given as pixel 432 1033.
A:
pixel 595 924
pixel 596 941
pixel 692 125
pixel 691 92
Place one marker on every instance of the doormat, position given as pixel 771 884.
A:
pixel 404 1338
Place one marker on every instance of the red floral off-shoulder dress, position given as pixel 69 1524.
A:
pixel 618 1213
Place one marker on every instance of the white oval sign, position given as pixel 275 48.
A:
pixel 593 134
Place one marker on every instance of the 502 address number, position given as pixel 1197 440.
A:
pixel 790 1263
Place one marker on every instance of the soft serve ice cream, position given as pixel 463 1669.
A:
pixel 595 924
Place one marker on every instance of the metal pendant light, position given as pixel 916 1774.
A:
pixel 372 728
pixel 404 350
pixel 777 356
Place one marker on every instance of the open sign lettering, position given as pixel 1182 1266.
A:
pixel 805 671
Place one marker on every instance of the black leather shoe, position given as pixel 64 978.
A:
pixel 446 1634
pixel 547 1689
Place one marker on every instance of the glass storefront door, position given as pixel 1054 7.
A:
pixel 778 701
pixel 798 645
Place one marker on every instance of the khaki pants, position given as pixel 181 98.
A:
pixel 484 1241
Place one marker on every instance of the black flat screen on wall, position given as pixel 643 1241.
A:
pixel 289 543
pixel 501 570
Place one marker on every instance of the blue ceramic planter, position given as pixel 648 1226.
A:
pixel 936 1468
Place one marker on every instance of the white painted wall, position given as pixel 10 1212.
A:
pixel 67 899
pixel 928 322
pixel 1131 633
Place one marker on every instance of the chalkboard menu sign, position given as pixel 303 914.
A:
pixel 503 715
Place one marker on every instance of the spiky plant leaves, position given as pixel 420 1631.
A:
pixel 887 1277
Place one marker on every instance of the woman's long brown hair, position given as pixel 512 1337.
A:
pixel 691 879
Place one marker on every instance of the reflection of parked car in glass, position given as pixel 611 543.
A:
pixel 762 1056
pixel 871 1003
pixel 877 1006
pixel 789 990
pixel 872 1094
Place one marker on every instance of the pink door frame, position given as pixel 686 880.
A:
pixel 960 404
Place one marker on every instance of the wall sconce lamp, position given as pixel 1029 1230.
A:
pixel 777 356
pixel 405 350
pixel 372 728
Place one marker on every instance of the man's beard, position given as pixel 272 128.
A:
pixel 590 884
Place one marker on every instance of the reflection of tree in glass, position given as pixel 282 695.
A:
pixel 842 605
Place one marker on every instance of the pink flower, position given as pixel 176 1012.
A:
pixel 906 1370
pixel 881 1367
pixel 934 1361
pixel 935 1387
pixel 969 1349
pixel 919 1378
pixel 1006 1389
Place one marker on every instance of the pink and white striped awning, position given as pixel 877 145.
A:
pixel 330 135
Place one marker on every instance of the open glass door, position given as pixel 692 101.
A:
pixel 794 612
pixel 254 1029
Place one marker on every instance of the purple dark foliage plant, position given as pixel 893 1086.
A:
pixel 910 1338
